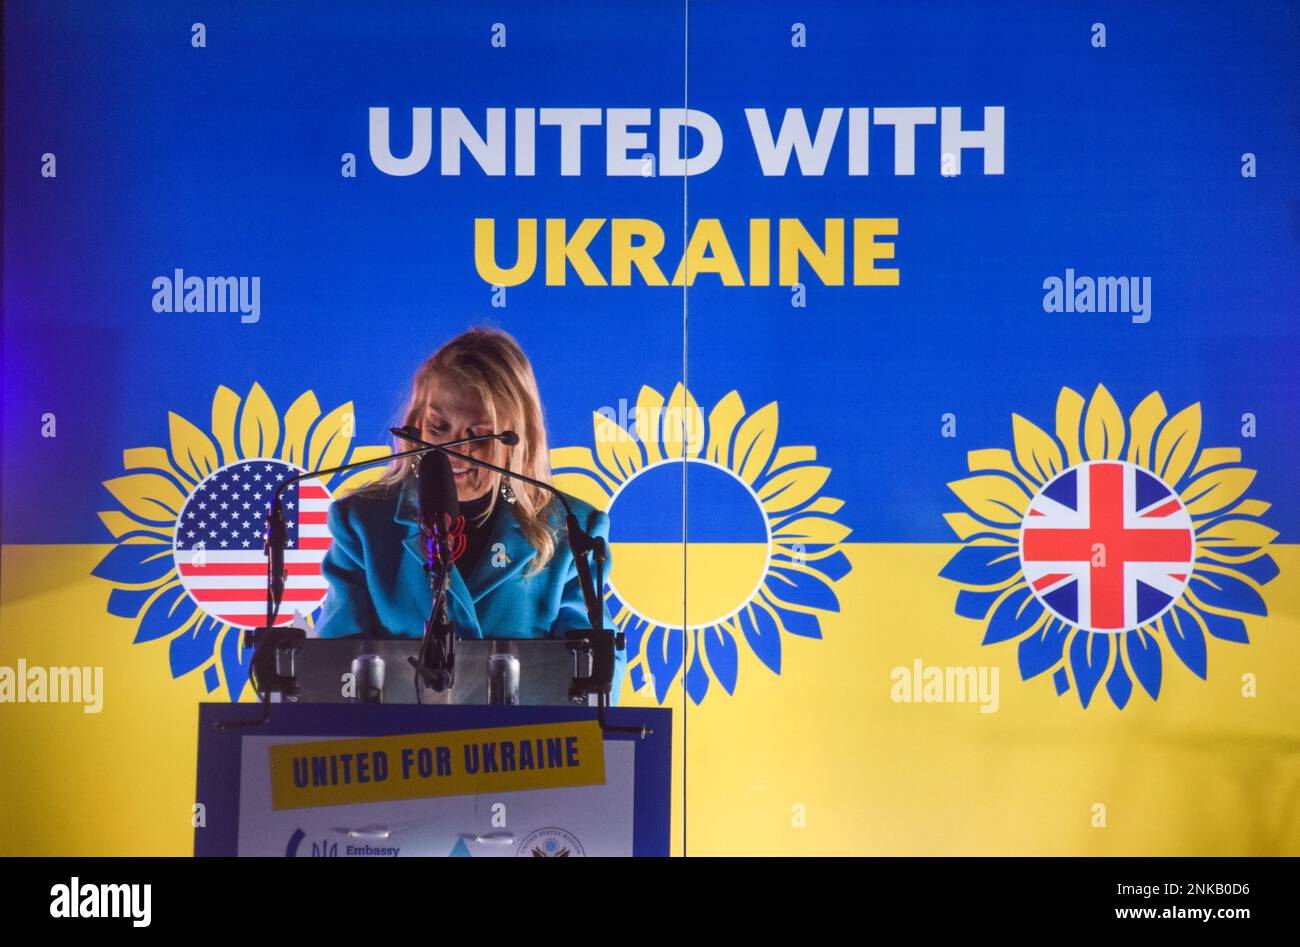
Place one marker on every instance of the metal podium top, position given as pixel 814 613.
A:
pixel 545 669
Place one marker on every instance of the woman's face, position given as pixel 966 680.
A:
pixel 451 413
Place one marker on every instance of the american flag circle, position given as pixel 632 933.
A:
pixel 1107 546
pixel 220 538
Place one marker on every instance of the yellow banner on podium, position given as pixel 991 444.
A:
pixel 421 765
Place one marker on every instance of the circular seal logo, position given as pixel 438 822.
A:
pixel 551 842
pixel 1107 546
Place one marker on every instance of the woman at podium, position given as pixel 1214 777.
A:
pixel 516 577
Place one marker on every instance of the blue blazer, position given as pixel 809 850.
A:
pixel 377 584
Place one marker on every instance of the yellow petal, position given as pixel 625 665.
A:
pixel 795 454
pixel 360 478
pixel 1103 428
pixel 1069 410
pixel 798 551
pixel 225 405
pixel 683 425
pixel 1233 532
pixel 259 426
pixel 828 505
pixel 147 458
pixel 811 529
pixel 994 498
pixel 792 487
pixel 1217 489
pixel 1177 444
pixel 329 442
pixel 297 423
pixel 1142 424
pixel 994 458
pixel 754 442
pixel 1216 555
pixel 1216 457
pixel 119 524
pixel 563 458
pixel 966 526
pixel 724 417
pixel 193 451
pixel 1037 451
pixel 616 450
pixel 148 496
pixel 1251 508
pixel 582 486
pixel 649 411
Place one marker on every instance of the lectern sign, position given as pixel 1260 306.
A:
pixel 422 765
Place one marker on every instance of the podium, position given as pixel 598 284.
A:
pixel 387 780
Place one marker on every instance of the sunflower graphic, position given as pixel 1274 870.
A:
pixel 764 549
pixel 1107 546
pixel 182 582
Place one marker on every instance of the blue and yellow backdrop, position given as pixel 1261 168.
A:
pixel 935 363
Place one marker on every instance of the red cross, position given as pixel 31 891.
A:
pixel 1122 546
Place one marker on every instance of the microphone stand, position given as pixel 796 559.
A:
pixel 271 669
pixel 435 665
pixel 598 643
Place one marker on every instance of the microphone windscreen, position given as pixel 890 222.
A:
pixel 509 438
pixel 437 491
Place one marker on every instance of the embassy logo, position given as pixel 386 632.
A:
pixel 326 848
pixel 104 900
pixel 551 842
pixel 181 293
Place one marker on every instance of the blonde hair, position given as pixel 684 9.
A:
pixel 491 363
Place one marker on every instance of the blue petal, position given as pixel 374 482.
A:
pixel 635 635
pixel 802 588
pixel 1188 641
pixel 1223 591
pixel 169 611
pixel 1088 656
pixel 1061 681
pixel 972 604
pixel 127 603
pixel 1042 650
pixel 664 657
pixel 1262 569
pixel 192 649
pixel 126 564
pixel 1119 685
pixel 982 565
pixel 763 635
pixel 1014 617
pixel 835 566
pixel 724 657
pixel 234 661
pixel 210 678
pixel 1224 627
pixel 1144 657
pixel 637 677
pixel 800 623
pixel 697 679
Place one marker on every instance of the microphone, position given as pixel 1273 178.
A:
pixel 439 507
pixel 443 539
